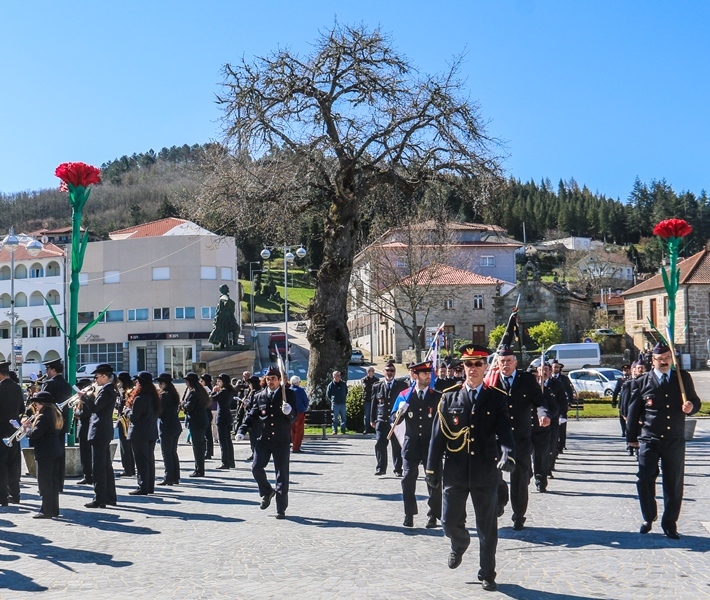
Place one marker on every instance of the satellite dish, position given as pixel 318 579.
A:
pixel 44 239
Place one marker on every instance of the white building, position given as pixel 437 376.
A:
pixel 161 283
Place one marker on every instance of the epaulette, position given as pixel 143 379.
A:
pixel 456 386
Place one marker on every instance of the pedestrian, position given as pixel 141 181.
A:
pixel 637 369
pixel 196 404
pixel 12 406
pixel 210 432
pixel 383 396
pixel 625 376
pixel 302 403
pixel 223 395
pixel 142 409
pixel 472 431
pixel 272 412
pixel 417 412
pixel 569 398
pixel 545 437
pixel 367 383
pixel 656 426
pixel 524 398
pixel 169 428
pixel 337 393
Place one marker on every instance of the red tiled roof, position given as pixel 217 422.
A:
pixel 693 270
pixel 48 251
pixel 152 229
pixel 447 275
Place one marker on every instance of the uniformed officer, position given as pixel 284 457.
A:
pixel 417 411
pixel 384 394
pixel 272 416
pixel 656 425
pixel 570 395
pixel 60 390
pixel 472 430
pixel 524 397
pixel 442 381
pixel 544 438
pixel 637 369
pixel 625 376
pixel 12 405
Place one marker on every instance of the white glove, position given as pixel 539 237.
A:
pixel 286 408
pixel 504 452
pixel 239 437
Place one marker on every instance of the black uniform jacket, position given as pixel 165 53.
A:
pixel 195 409
pixel 12 405
pixel 101 421
pixel 144 421
pixel 554 395
pixel 655 411
pixel 382 401
pixel 169 422
pixel 59 388
pixel 47 440
pixel 472 456
pixel 223 398
pixel 625 397
pixel 525 398
pixel 568 388
pixel 268 420
pixel 419 421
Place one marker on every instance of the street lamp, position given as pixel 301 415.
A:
pixel 33 248
pixel 288 258
pixel 251 283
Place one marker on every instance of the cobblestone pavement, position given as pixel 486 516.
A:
pixel 343 536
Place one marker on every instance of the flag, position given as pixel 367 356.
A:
pixel 401 404
pixel 433 354
pixel 510 335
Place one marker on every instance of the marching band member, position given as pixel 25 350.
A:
pixel 125 386
pixel 12 405
pixel 170 428
pixel 196 402
pixel 142 408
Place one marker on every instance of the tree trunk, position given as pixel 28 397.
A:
pixel 328 334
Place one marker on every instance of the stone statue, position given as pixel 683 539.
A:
pixel 225 323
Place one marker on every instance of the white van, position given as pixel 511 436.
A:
pixel 573 356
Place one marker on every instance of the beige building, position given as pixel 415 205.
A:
pixel 161 283
pixel 648 301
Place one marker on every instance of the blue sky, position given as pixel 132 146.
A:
pixel 601 91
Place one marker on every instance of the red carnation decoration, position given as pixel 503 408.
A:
pixel 78 174
pixel 669 228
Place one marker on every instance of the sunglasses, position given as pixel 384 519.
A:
pixel 474 363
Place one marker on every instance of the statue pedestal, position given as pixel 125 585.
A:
pixel 72 462
pixel 234 363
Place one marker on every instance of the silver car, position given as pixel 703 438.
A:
pixel 602 381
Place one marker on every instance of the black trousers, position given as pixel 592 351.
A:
pixel 541 456
pixel 409 489
pixel 144 454
pixel 198 447
pixel 263 451
pixel 102 470
pixel 453 520
pixel 209 439
pixel 171 460
pixel 128 461
pixel 519 480
pixel 85 451
pixel 671 454
pixel 49 481
pixel 225 444
pixel 10 456
pixel 554 440
pixel 622 422
pixel 562 440
pixel 381 442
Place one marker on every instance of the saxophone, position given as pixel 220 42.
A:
pixel 123 421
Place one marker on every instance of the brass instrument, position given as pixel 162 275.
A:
pixel 75 401
pixel 23 427
pixel 123 421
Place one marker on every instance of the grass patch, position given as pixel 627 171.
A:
pixel 601 407
pixel 298 299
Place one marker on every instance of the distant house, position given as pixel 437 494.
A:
pixel 603 266
pixel 647 303
pixel 573 243
pixel 60 236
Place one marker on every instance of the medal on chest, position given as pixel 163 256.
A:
pixel 649 401
pixel 456 420
pixel 410 414
pixel 431 412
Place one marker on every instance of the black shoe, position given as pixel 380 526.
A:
pixel 518 525
pixel 137 492
pixel 550 476
pixel 280 515
pixel 454 560
pixel 14 499
pixel 165 482
pixel 41 515
pixel 249 459
pixel 398 473
pixel 3 503
pixel 431 523
pixel 671 534
pixel 223 468
pixel 266 500
pixel 379 473
pixel 645 527
pixel 94 504
pixel 408 521
pixel 197 474
pixel 489 584
pixel 85 481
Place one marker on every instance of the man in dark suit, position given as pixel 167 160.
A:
pixel 271 414
pixel 569 397
pixel 544 438
pixel 384 394
pixel 524 398
pixel 60 389
pixel 12 406
pixel 637 369
pixel 472 430
pixel 100 435
pixel 656 426
pixel 615 397
pixel 416 409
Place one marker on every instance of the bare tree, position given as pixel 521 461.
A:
pixel 316 134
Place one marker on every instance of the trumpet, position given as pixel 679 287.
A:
pixel 75 401
pixel 19 433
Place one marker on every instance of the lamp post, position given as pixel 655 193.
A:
pixel 288 258
pixel 251 296
pixel 33 248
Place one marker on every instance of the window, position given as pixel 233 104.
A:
pixel 112 277
pixel 488 261
pixel 161 314
pixel 208 272
pixel 101 353
pixel 86 316
pixel 665 306
pixel 639 310
pixel 479 335
pixel 37 332
pixel 52 331
pixel 112 316
pixel 478 301
pixel 137 314
pixel 36 271
pixel 226 273
pixel 5 334
pixel 185 312
pixel 161 273
pixel 83 279
pixel 208 312
pixel 449 304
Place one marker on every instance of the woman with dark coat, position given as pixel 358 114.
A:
pixel 206 381
pixel 125 386
pixel 170 428
pixel 196 402
pixel 142 408
pixel 223 394
pixel 45 431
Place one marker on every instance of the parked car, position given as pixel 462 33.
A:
pixel 85 371
pixel 605 332
pixel 357 357
pixel 301 326
pixel 601 381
